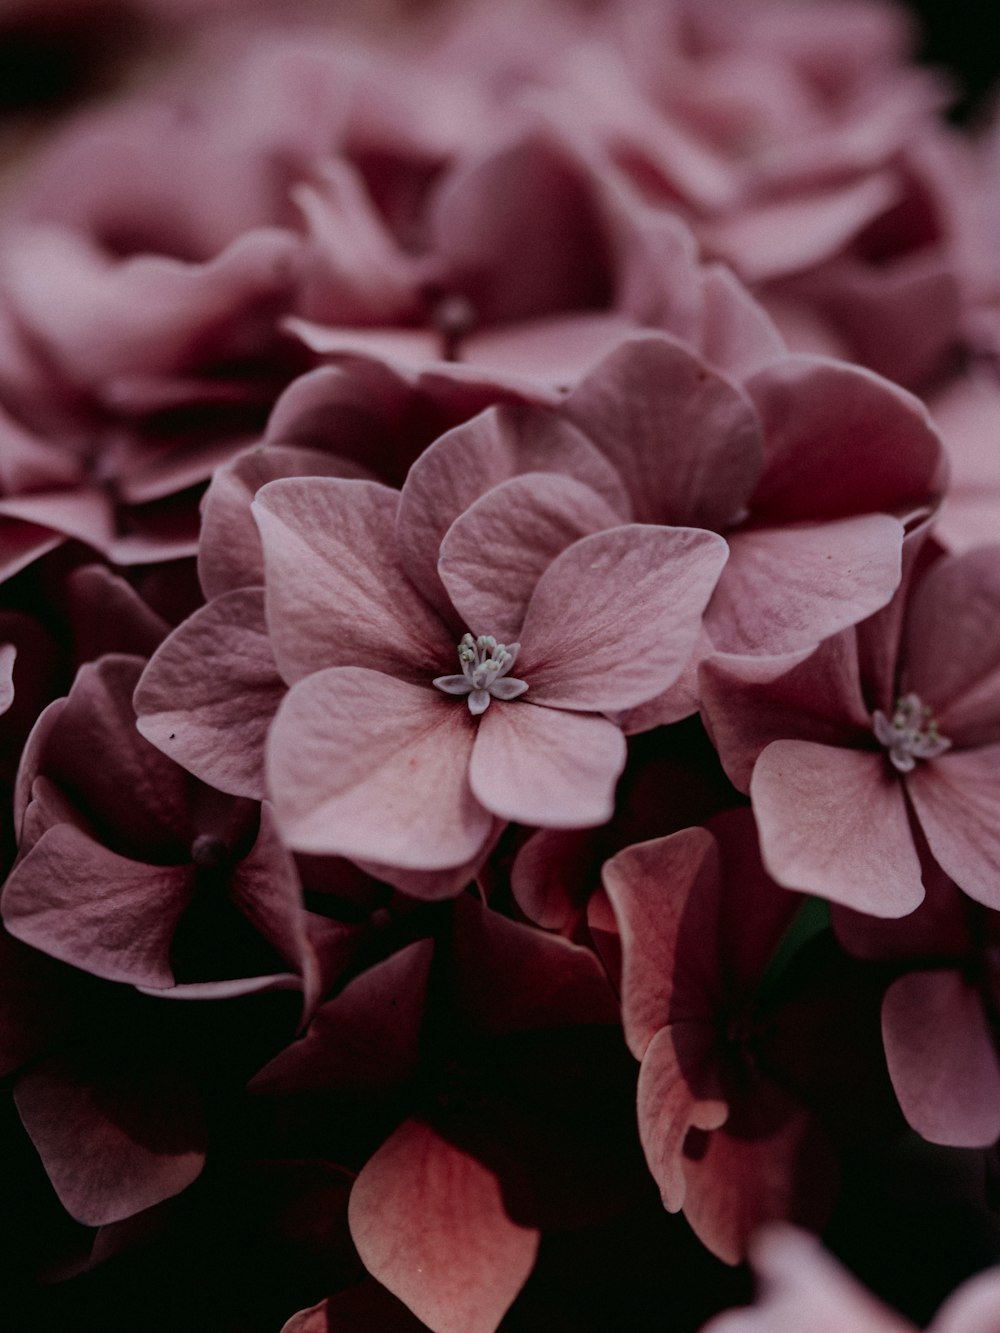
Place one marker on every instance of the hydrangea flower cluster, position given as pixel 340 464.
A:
pixel 500 678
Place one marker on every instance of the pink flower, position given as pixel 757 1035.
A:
pixel 363 648
pixel 895 721
pixel 724 1140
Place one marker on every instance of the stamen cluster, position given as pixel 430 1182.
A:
pixel 911 734
pixel 485 664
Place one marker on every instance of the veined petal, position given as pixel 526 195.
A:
pixel 366 766
pixel 494 553
pixel 543 766
pixel 336 591
pixel 614 619
pixel 832 822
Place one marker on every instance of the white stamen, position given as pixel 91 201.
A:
pixel 485 664
pixel 910 734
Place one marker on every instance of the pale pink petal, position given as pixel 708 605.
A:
pixel 8 654
pixel 956 797
pixel 543 766
pixel 144 313
pixel 336 591
pixel 686 441
pixel 614 619
pixel 557 350
pixel 366 766
pixel 229 550
pixel 737 334
pixel 788 588
pixel 972 1308
pixel 355 272
pixel 942 1058
pixel 113 1145
pixel 493 555
pixel 84 514
pixel 840 441
pixel 805 1289
pixel 750 701
pixel 468 461
pixel 951 650
pixel 788 235
pixel 76 901
pixel 429 1222
pixel 833 822
pixel 209 695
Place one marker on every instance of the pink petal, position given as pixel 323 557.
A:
pixel 841 441
pixel 750 701
pixel 229 551
pixel 495 552
pixel 367 1038
pixel 951 651
pixel 736 333
pixel 956 799
pixel 336 591
pixel 209 695
pixel 686 442
pixel 661 890
pixel 546 767
pixel 833 822
pixel 805 1289
pixel 144 313
pixel 679 1090
pixel 519 234
pixel 84 514
pixel 429 1222
pixel 972 1308
pixel 366 766
pixel 786 236
pixel 136 795
pixel 788 588
pixel 614 619
pixel 115 1146
pixel 740 1183
pixel 108 615
pixel 942 1058
pixel 76 901
pixel 468 461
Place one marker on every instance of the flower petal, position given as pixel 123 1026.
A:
pixel 336 591
pixel 686 442
pixel 495 552
pixel 210 693
pixel 942 1058
pixel 833 822
pixel 366 766
pixel 789 588
pixel 614 619
pixel 546 767
pixel 429 1222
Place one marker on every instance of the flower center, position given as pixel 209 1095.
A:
pixel 910 734
pixel 485 664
